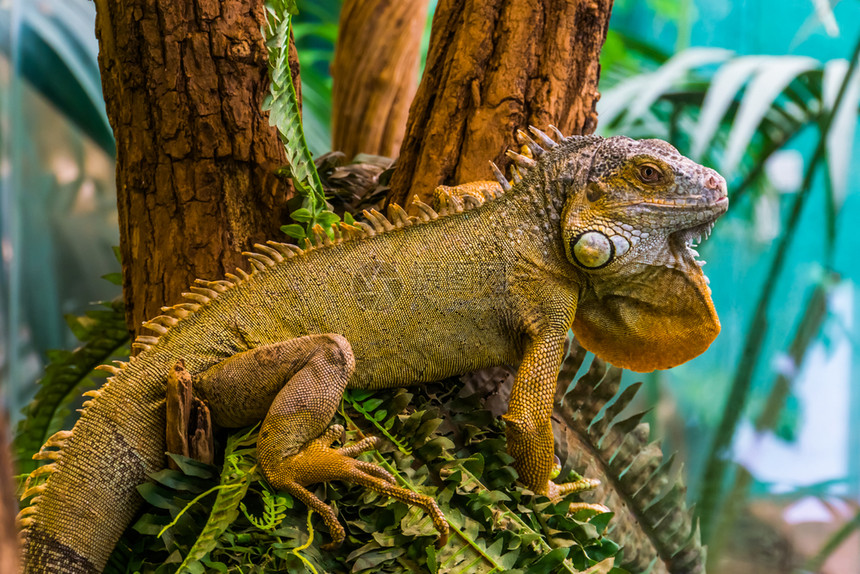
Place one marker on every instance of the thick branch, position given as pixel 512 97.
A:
pixel 375 72
pixel 494 67
pixel 183 83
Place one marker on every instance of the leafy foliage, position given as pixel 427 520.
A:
pixel 652 519
pixel 444 443
pixel 104 334
pixel 597 437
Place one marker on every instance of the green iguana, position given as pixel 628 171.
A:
pixel 595 235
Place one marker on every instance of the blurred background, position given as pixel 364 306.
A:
pixel 766 423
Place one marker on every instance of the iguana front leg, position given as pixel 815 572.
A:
pixel 297 385
pixel 528 427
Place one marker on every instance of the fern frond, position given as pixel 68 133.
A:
pixel 103 333
pixel 274 510
pixel 652 521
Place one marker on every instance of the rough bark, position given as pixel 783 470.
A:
pixel 375 73
pixel 183 83
pixel 495 66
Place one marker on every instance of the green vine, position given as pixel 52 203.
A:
pixel 284 113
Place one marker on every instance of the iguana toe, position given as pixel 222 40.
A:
pixel 580 485
pixel 555 492
pixel 317 461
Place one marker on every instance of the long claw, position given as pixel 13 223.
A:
pixel 338 534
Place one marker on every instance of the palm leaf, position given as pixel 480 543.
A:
pixel 840 138
pixel 758 98
pixel 721 94
pixel 664 78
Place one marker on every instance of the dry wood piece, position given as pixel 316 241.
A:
pixel 494 67
pixel 189 424
pixel 202 444
pixel 375 72
pixel 179 401
pixel 183 85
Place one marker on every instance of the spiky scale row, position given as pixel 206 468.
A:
pixel 521 160
pixel 547 141
pixel 535 149
pixel 272 253
pixel 425 212
pixel 503 181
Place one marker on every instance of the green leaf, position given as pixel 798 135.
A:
pixel 373 559
pixel 549 561
pixel 115 278
pixel 193 467
pixel 371 404
pixel 327 219
pixel 302 215
pixel 601 521
pixel 155 496
pixel 665 77
pixel 175 480
pixel 294 230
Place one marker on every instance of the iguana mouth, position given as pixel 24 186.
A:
pixel 691 237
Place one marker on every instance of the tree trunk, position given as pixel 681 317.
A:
pixel 494 67
pixel 375 73
pixel 183 83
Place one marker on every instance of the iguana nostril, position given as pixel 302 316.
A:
pixel 712 182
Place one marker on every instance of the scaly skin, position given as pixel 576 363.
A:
pixel 595 236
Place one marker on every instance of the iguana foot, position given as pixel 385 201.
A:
pixel 317 461
pixel 555 492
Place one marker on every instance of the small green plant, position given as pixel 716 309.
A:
pixel 274 510
pixel 283 107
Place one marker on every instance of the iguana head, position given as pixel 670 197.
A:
pixel 630 227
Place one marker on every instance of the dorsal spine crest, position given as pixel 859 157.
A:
pixel 448 200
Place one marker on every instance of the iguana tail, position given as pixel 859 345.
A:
pixel 77 516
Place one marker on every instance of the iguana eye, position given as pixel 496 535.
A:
pixel 650 173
